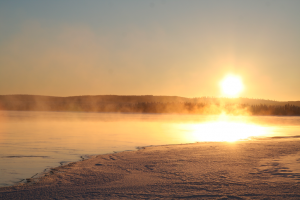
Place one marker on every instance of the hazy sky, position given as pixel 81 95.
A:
pixel 134 47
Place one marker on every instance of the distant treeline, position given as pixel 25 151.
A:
pixel 139 104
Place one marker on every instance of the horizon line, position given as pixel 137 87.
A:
pixel 149 95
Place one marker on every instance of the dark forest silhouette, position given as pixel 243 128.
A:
pixel 150 104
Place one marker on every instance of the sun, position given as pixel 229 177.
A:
pixel 231 86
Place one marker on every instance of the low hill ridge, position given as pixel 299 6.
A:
pixel 148 104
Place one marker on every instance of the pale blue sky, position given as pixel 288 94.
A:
pixel 181 48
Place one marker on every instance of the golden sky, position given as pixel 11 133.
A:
pixel 181 48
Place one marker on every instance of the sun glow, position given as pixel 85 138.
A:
pixel 223 131
pixel 231 86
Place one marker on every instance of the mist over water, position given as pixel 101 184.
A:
pixel 31 142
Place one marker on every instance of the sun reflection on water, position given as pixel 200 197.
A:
pixel 229 131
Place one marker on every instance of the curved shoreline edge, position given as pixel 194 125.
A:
pixel 35 178
pixel 244 169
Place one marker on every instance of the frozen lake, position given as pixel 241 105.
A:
pixel 31 142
